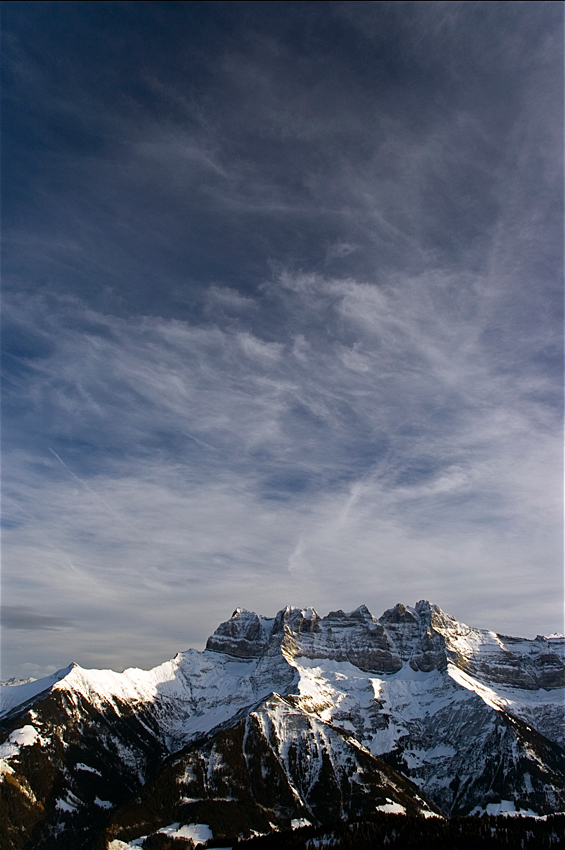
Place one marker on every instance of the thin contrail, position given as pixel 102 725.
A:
pixel 90 490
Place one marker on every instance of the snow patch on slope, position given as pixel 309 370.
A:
pixel 24 737
pixel 199 833
pixel 391 808
pixel 507 808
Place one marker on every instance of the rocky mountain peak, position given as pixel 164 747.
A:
pixel 244 635
pixel 380 646
pixel 399 614
pixel 424 636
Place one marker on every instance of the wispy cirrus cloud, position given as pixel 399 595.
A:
pixel 380 439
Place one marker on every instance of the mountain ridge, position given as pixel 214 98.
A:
pixel 469 718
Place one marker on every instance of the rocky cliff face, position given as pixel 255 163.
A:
pixel 424 636
pixel 283 720
pixel 502 659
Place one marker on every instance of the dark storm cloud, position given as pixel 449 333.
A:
pixel 282 292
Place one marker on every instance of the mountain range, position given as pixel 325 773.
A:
pixel 283 722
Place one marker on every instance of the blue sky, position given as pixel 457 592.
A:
pixel 283 318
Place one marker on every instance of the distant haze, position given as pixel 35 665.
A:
pixel 283 307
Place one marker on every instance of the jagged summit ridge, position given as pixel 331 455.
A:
pixel 424 636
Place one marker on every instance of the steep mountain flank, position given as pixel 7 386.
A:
pixel 273 766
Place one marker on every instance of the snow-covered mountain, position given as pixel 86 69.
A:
pixel 292 719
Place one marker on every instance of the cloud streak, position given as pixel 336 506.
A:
pixel 22 617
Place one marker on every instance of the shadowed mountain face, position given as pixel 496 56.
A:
pixel 281 721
